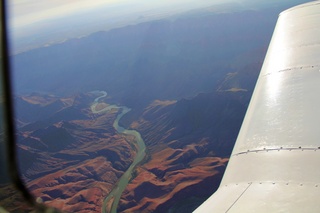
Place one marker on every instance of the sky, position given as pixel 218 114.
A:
pixel 29 12
pixel 26 12
pixel 35 23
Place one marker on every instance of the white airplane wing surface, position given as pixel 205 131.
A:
pixel 275 164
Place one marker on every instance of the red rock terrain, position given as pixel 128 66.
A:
pixel 189 142
pixel 69 160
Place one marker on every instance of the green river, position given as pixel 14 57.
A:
pixel 116 192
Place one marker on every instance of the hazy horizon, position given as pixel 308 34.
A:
pixel 41 23
pixel 34 23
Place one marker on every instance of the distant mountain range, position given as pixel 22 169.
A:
pixel 165 59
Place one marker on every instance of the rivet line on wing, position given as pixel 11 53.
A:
pixel 279 149
pixel 304 68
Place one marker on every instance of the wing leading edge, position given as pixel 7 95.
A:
pixel 274 166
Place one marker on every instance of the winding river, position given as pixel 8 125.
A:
pixel 115 194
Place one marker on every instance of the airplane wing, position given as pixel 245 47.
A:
pixel 274 166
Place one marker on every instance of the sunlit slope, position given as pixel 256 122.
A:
pixel 189 143
pixel 70 158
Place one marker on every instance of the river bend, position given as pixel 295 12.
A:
pixel 122 183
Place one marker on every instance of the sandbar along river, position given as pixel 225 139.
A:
pixel 116 192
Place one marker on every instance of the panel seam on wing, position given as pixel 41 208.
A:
pixel 239 197
pixel 278 149
pixel 286 183
pixel 302 68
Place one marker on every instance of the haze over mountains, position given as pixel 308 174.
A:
pixel 188 80
pixel 171 58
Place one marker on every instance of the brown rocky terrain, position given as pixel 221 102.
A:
pixel 69 161
pixel 72 158
pixel 189 142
